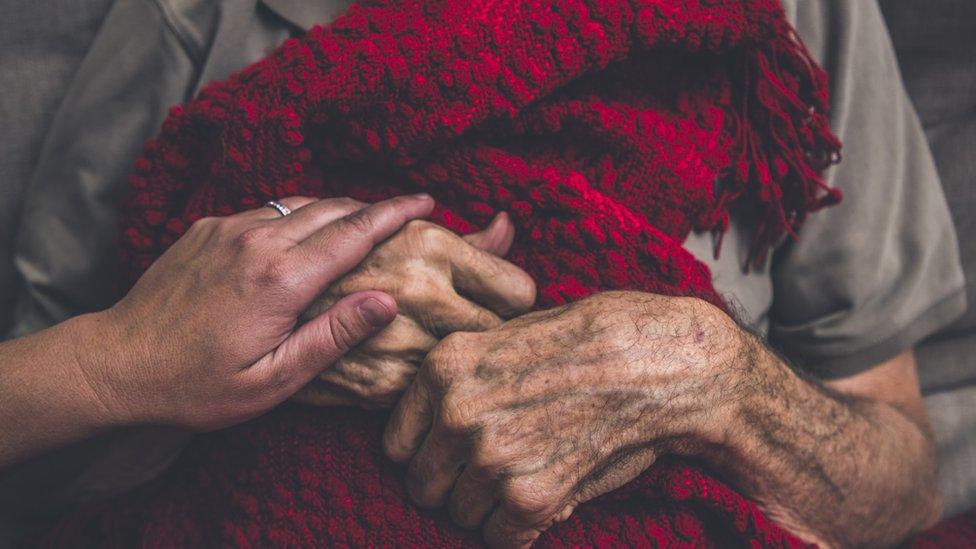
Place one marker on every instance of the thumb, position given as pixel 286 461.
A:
pixel 497 238
pixel 320 342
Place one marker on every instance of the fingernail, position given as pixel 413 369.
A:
pixel 374 313
pixel 422 196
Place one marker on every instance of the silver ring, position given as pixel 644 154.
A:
pixel 282 209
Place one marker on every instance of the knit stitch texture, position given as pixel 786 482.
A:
pixel 608 129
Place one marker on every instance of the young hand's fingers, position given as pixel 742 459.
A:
pixel 267 213
pixel 305 220
pixel 497 238
pixel 320 342
pixel 332 250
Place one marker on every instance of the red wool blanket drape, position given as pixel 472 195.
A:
pixel 608 129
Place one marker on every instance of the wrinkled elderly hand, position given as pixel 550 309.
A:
pixel 207 338
pixel 526 421
pixel 442 283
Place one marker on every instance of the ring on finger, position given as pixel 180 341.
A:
pixel 282 209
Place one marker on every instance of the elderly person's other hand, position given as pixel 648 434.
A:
pixel 442 283
pixel 210 329
pixel 516 426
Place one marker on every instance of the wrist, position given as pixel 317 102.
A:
pixel 719 356
pixel 102 360
pixel 749 378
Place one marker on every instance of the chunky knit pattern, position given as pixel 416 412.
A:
pixel 608 129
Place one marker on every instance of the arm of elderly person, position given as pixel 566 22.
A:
pixel 514 427
pixel 209 336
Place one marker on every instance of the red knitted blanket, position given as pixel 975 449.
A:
pixel 608 129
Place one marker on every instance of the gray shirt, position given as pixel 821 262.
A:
pixel 874 275
pixel 40 50
pixel 866 280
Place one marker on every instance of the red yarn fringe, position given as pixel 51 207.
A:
pixel 484 103
pixel 782 143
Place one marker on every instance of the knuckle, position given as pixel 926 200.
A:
pixel 482 320
pixel 271 273
pixel 451 347
pixel 403 377
pixel 253 237
pixel 204 224
pixel 361 222
pixel 427 236
pixel 531 498
pixel 446 360
pixel 387 388
pixel 346 203
pixel 345 331
pixel 347 285
pixel 455 415
pixel 488 458
pixel 358 280
pixel 418 227
pixel 296 202
pixel 391 342
pixel 523 292
pixel 420 286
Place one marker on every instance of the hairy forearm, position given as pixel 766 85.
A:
pixel 46 399
pixel 833 469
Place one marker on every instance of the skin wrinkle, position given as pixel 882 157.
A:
pixel 590 331
pixel 417 267
pixel 672 399
pixel 612 403
pixel 623 407
pixel 782 438
pixel 821 435
pixel 781 442
pixel 617 458
pixel 518 378
pixel 581 399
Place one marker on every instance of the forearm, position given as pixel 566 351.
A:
pixel 47 399
pixel 837 470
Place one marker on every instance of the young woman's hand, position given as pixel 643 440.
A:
pixel 209 336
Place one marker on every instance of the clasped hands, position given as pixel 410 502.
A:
pixel 509 418
pixel 512 424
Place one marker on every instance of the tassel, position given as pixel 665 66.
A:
pixel 784 95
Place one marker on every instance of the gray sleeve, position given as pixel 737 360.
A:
pixel 134 71
pixel 871 277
